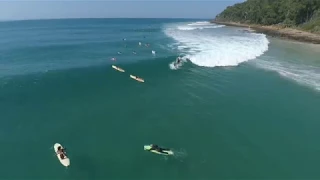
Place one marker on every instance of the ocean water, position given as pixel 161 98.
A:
pixel 241 106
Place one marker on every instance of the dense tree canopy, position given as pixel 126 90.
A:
pixel 302 13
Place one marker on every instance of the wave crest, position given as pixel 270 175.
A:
pixel 215 47
pixel 188 28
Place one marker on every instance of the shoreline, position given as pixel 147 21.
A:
pixel 277 31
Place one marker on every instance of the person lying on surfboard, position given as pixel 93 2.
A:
pixel 159 149
pixel 62 152
pixel 138 77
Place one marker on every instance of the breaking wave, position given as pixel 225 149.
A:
pixel 212 45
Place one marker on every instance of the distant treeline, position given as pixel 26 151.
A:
pixel 290 13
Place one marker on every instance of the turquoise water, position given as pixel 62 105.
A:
pixel 243 106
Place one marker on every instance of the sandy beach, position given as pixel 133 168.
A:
pixel 278 31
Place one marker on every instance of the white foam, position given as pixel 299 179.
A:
pixel 216 48
pixel 188 28
pixel 199 23
pixel 172 66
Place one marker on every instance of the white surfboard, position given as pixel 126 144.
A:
pixel 117 68
pixel 136 78
pixel 65 161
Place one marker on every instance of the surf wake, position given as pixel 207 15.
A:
pixel 306 75
pixel 206 44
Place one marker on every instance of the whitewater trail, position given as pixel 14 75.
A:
pixel 206 44
pixel 302 74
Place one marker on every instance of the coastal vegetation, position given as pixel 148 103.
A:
pixel 302 14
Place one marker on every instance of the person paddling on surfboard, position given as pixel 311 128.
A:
pixel 159 149
pixel 61 152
